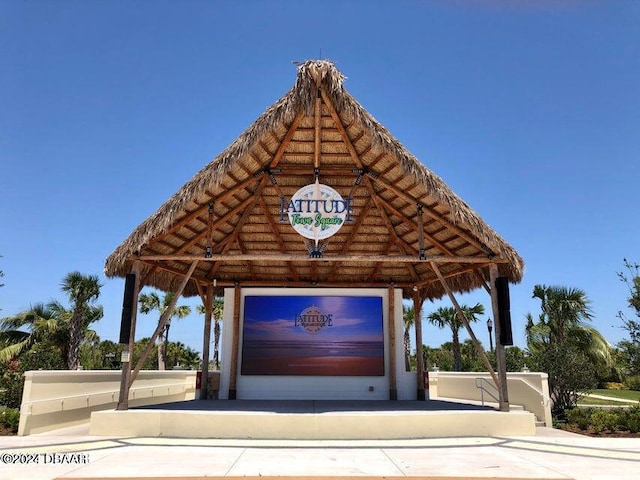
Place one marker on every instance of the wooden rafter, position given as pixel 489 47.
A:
pixel 463 319
pixel 285 141
pixel 404 220
pixel 276 233
pixel 291 257
pixel 428 211
pixel 352 236
pixel 376 269
pixel 230 214
pixel 198 211
pixel 164 318
pixel 238 226
pixel 244 250
pixel 356 159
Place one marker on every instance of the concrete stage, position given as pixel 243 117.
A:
pixel 312 420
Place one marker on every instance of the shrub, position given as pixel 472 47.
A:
pixel 580 417
pixel 630 419
pixel 615 386
pixel 602 420
pixel 10 418
pixel 633 382
pixel 11 393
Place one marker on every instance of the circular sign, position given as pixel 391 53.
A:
pixel 313 320
pixel 317 211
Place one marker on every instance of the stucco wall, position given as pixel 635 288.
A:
pixel 59 398
pixel 528 389
pixel 272 387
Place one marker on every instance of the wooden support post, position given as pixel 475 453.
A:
pixel 393 387
pixel 233 371
pixel 465 322
pixel 164 318
pixel 206 342
pixel 417 322
pixel 123 399
pixel 503 393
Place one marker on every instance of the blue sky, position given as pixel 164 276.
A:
pixel 529 110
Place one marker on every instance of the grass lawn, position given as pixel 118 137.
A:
pixel 622 394
pixel 588 401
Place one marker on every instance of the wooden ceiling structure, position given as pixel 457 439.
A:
pixel 226 226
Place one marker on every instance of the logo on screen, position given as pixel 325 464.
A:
pixel 312 319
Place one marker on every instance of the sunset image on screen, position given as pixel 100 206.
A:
pixel 313 335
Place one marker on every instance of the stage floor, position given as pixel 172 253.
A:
pixel 315 406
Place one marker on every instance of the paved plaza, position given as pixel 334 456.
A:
pixel 73 454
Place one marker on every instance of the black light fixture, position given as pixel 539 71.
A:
pixel 490 328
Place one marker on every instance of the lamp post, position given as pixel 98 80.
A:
pixel 490 328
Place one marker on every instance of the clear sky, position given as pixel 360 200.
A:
pixel 529 110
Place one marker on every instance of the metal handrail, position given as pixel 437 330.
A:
pixel 479 384
pixel 113 393
pixel 480 381
pixel 545 399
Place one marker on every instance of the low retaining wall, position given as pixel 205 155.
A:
pixel 55 399
pixel 528 389
pixel 363 425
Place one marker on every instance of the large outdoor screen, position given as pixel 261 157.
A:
pixel 313 335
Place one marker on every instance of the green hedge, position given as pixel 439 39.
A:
pixel 599 420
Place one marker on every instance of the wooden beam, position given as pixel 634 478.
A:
pixel 393 388
pixel 417 323
pixel 206 341
pixel 276 232
pixel 285 141
pixel 289 257
pixel 503 393
pixel 233 371
pixel 243 218
pixel 123 400
pixel 463 319
pixel 164 318
pixel 406 221
pixel 352 235
pixel 428 211
pixel 195 213
pixel 230 214
pixel 317 128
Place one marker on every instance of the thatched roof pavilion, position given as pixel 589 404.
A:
pixel 227 226
pixel 228 216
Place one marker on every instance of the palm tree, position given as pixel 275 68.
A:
pixel 218 311
pixel 21 332
pixel 563 320
pixel 152 302
pixel 408 316
pixel 447 317
pixel 82 290
pixel 186 357
pixel 43 324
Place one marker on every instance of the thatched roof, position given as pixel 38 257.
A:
pixel 316 123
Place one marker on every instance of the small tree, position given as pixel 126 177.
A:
pixel 408 316
pixel 571 373
pixel 83 290
pixel 152 302
pixel 218 312
pixel 630 349
pixel 448 317
pixel 1 275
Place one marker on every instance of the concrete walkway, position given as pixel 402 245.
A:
pixel 551 454
pixel 614 400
